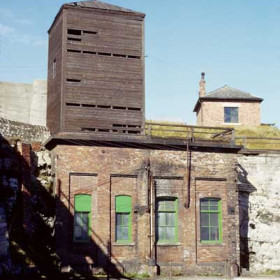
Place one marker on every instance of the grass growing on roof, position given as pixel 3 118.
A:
pixel 262 137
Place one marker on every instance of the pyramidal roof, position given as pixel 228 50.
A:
pixel 100 5
pixel 227 92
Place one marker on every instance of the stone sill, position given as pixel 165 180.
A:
pixel 231 124
pixel 211 244
pixel 169 244
pixel 124 244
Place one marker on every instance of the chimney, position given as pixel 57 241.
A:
pixel 202 82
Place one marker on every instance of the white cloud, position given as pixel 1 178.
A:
pixel 6 30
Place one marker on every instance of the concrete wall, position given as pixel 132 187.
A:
pixel 24 102
pixel 212 113
pixel 259 190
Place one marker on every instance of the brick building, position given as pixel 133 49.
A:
pixel 227 106
pixel 126 201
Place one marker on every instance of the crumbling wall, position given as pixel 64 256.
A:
pixel 4 240
pixel 259 189
pixel 23 131
pixel 26 201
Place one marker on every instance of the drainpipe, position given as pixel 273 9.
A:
pixel 188 202
pixel 151 215
pixel 151 261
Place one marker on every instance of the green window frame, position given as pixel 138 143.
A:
pixel 166 220
pixel 82 218
pixel 123 220
pixel 210 220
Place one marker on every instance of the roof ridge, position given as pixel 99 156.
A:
pixel 218 90
pixel 96 4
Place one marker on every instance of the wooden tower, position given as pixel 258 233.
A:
pixel 96 69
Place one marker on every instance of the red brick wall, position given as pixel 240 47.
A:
pixel 212 175
pixel 211 113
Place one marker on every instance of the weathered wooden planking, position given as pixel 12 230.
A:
pixel 54 79
pixel 99 62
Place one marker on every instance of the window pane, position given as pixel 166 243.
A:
pixel 204 233
pixel 204 219
pixel 214 208
pixel 161 205
pixel 214 205
pixel 204 205
pixel 81 222
pixel 122 226
pixel 214 232
pixel 161 235
pixel 78 232
pixel 161 219
pixel 118 219
pixel 213 202
pixel 234 115
pixel 170 219
pixel 169 205
pixel 125 233
pixel 214 219
pixel 231 114
pixel 125 219
pixel 118 233
pixel 170 233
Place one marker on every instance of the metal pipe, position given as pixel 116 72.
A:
pixel 189 176
pixel 151 216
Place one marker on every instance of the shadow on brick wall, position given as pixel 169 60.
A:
pixel 245 188
pixel 30 209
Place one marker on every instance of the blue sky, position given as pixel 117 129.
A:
pixel 235 42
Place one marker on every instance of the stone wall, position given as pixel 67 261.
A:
pixel 25 195
pixel 24 102
pixel 25 132
pixel 4 240
pixel 211 113
pixel 259 190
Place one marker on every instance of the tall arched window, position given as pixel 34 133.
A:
pixel 123 218
pixel 82 217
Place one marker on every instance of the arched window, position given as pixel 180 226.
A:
pixel 123 218
pixel 210 220
pixel 167 220
pixel 82 217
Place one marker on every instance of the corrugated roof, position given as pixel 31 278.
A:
pixel 226 93
pixel 101 5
